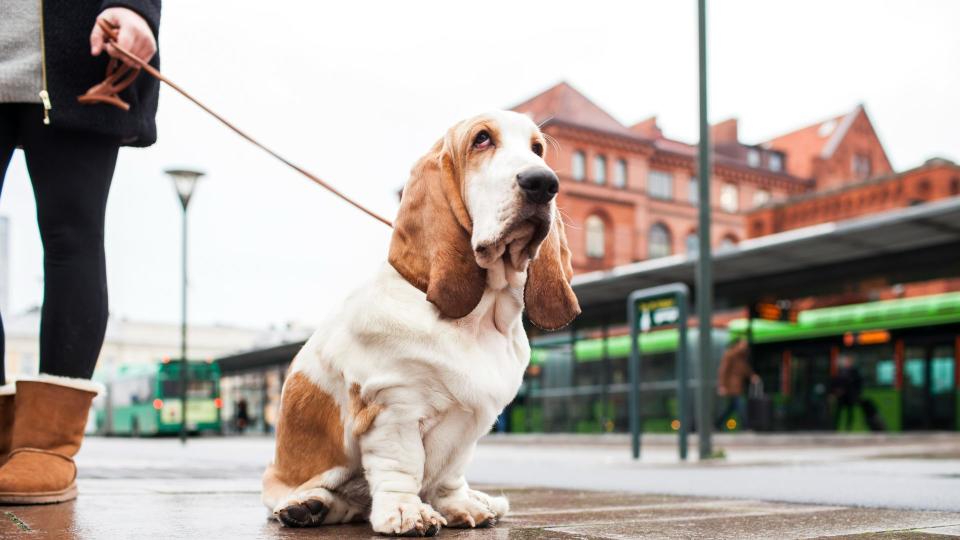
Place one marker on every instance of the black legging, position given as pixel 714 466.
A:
pixel 71 173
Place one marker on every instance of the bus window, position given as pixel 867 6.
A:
pixel 133 391
pixel 941 371
pixel 875 364
pixel 885 372
pixel 196 389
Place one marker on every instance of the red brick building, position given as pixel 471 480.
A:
pixel 628 193
pixel 935 179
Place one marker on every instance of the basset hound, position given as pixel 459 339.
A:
pixel 383 406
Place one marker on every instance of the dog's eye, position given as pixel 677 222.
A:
pixel 482 140
pixel 537 149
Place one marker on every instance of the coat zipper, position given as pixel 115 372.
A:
pixel 44 94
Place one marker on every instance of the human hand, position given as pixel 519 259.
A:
pixel 133 34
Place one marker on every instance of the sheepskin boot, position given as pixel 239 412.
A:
pixel 7 393
pixel 48 426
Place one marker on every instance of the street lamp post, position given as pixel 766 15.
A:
pixel 184 181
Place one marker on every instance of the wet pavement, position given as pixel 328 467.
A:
pixel 210 489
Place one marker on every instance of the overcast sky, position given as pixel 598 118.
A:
pixel 357 91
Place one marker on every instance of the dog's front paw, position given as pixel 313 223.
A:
pixel 498 505
pixel 474 509
pixel 405 516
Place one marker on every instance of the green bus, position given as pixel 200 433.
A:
pixel 145 399
pixel 907 351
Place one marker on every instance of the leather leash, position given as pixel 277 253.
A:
pixel 120 76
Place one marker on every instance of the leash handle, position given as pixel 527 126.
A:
pixel 106 92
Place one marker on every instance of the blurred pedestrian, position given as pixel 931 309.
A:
pixel 732 375
pixel 243 415
pixel 50 53
pixel 847 387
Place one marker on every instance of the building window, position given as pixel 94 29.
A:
pixel 729 198
pixel 727 242
pixel 596 237
pixel 579 166
pixel 600 169
pixel 761 197
pixel 692 243
pixel 776 162
pixel 753 157
pixel 955 186
pixel 659 245
pixel 620 173
pixel 861 166
pixel 660 185
pixel 693 191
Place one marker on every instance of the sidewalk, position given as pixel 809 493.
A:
pixel 210 489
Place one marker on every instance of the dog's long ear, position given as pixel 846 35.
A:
pixel 550 301
pixel 431 247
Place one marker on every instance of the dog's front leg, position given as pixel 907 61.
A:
pixel 393 458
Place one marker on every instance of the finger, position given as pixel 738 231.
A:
pixel 149 48
pixel 96 40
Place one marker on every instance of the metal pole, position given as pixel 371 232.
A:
pixel 183 333
pixel 682 375
pixel 634 373
pixel 704 261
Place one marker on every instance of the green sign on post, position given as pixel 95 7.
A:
pixel 648 309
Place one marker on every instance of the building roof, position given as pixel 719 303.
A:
pixel 818 140
pixel 564 103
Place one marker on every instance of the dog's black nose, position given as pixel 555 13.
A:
pixel 539 185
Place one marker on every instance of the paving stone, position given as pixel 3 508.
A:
pixel 537 514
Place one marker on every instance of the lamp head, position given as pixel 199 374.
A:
pixel 184 181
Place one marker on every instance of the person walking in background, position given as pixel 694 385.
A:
pixel 847 387
pixel 50 53
pixel 734 370
pixel 243 415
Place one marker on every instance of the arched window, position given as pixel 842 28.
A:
pixel 600 169
pixel 659 244
pixel 579 166
pixel 596 237
pixel 692 242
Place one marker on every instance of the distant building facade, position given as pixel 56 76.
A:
pixel 936 179
pixel 630 193
pixel 127 342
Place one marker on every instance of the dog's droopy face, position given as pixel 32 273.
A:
pixel 508 189
pixel 484 196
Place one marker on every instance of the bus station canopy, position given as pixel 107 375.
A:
pixel 908 244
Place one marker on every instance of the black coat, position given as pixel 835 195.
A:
pixel 71 71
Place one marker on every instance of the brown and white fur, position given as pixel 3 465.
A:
pixel 384 404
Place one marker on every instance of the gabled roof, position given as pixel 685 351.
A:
pixel 818 140
pixel 564 103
